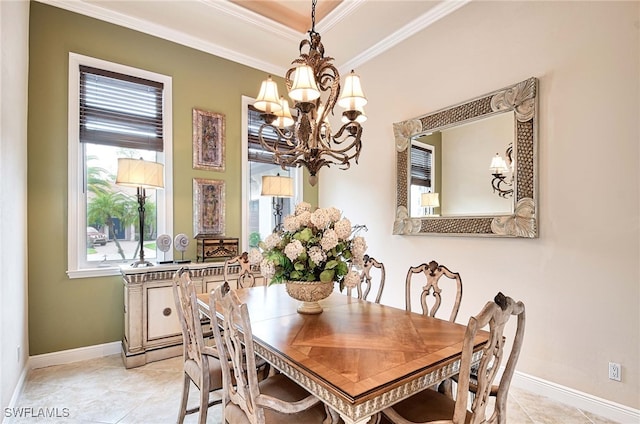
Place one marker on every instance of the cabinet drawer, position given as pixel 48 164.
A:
pixel 162 317
pixel 211 283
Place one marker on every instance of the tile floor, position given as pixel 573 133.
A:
pixel 103 391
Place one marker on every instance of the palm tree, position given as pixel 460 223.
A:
pixel 99 180
pixel 107 205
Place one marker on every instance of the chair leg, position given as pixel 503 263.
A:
pixel 204 400
pixel 185 398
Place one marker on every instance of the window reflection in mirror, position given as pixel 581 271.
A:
pixel 459 168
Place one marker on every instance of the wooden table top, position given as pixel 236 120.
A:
pixel 354 350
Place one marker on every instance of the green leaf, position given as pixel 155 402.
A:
pixel 304 235
pixel 299 266
pixel 342 268
pixel 331 264
pixel 295 275
pixel 327 275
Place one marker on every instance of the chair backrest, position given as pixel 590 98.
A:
pixel 372 272
pixel 184 294
pixel 495 315
pixel 235 339
pixel 433 272
pixel 245 277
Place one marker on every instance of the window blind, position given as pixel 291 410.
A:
pixel 120 110
pixel 420 166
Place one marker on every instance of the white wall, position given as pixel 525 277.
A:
pixel 14 42
pixel 580 279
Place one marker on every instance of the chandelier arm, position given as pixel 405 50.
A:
pixel 500 186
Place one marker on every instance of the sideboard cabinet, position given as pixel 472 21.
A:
pixel 151 326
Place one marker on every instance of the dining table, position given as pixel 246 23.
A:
pixel 358 357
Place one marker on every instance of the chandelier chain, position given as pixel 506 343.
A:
pixel 313 16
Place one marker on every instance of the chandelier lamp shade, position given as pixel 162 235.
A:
pixel 313 84
pixel 142 175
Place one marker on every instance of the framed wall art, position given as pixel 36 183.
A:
pixel 208 207
pixel 208 140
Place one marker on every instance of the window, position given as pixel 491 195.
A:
pixel 258 212
pixel 114 111
pixel 421 178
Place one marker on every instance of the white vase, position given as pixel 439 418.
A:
pixel 309 293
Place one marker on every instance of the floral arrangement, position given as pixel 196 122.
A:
pixel 314 246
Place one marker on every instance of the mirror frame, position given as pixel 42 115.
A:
pixel 520 99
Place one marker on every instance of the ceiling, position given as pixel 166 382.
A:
pixel 265 34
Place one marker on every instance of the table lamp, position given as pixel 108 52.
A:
pixel 142 175
pixel 430 200
pixel 278 187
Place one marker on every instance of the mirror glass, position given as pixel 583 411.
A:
pixel 458 164
pixel 470 169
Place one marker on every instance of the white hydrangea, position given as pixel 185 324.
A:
pixel 358 248
pixel 303 219
pixel 255 256
pixel 293 250
pixel 320 218
pixel 267 269
pixel 272 240
pixel 329 240
pixel 291 224
pixel 302 207
pixel 352 278
pixel 317 255
pixel 334 213
pixel 343 228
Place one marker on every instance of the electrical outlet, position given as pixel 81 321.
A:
pixel 615 371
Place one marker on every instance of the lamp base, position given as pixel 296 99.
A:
pixel 138 263
pixel 182 261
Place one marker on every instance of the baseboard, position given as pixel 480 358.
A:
pixel 584 401
pixel 17 391
pixel 74 355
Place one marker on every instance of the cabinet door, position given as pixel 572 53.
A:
pixel 162 317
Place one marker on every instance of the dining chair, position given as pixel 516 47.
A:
pixel 245 276
pixel 433 273
pixel 201 361
pixel 430 405
pixel 276 399
pixel 373 273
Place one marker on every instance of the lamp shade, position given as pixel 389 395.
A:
pixel 430 200
pixel 268 100
pixel 277 186
pixel 304 87
pixel 283 117
pixel 140 173
pixel 352 95
pixel 498 165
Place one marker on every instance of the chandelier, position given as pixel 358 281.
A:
pixel 502 182
pixel 313 84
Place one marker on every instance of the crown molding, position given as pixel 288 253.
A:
pixel 341 12
pixel 433 15
pixel 97 12
pixel 239 12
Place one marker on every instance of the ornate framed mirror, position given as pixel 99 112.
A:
pixel 470 169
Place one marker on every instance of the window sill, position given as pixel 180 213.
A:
pixel 94 272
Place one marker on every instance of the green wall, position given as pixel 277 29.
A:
pixel 66 313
